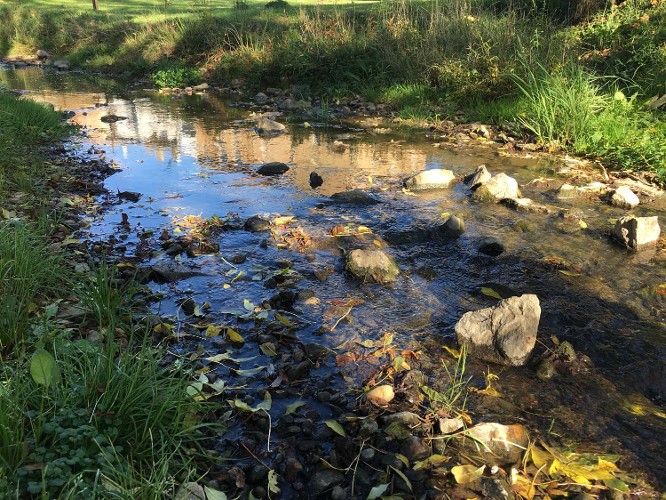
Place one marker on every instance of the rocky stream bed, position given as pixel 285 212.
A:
pixel 321 273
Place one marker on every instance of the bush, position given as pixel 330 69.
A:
pixel 176 77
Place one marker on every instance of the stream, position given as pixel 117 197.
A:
pixel 193 157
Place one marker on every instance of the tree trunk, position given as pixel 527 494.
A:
pixel 95 6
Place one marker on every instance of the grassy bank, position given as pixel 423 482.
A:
pixel 87 408
pixel 494 60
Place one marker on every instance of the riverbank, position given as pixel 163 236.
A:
pixel 585 87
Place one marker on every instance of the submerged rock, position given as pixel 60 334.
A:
pixel 497 188
pixel 41 54
pixel 505 333
pixel 624 197
pixel 316 180
pixel 415 449
pixel 355 197
pixel 436 178
pixel 372 264
pixel 478 177
pixel 273 168
pixel 496 444
pixel 635 232
pixel 491 246
pixel 169 272
pixel 112 118
pixel 268 126
pixel 256 224
pixel 525 205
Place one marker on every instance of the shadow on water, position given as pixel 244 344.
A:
pixel 198 156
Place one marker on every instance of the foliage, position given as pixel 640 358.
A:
pixel 175 77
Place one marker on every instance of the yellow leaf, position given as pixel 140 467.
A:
pixel 539 456
pixel 554 467
pixel 213 330
pixel 226 285
pixel 284 320
pixel 582 224
pixel 453 352
pixel 606 465
pixel 335 427
pixel 163 328
pixel 281 221
pixel 234 336
pixel 467 473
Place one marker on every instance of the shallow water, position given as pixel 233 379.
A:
pixel 197 155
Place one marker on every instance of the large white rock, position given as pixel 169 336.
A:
pixel 624 197
pixel 505 333
pixel 268 126
pixel 478 177
pixel 634 232
pixel 497 188
pixel 372 264
pixel 435 178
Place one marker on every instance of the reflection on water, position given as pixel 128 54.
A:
pixel 197 155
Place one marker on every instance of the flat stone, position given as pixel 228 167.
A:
pixel 503 334
pixel 355 197
pixel 372 264
pixel 436 178
pixel 525 205
pixel 267 126
pixel 624 197
pixel 634 232
pixel 450 425
pixel 61 65
pixel 169 272
pixel 407 418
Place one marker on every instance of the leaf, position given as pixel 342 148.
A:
pixel 453 352
pixel 284 320
pixel 224 356
pixel 213 330
pixel 403 477
pixel 266 403
pixel 335 427
pixel 212 494
pixel 490 292
pixel 268 349
pixel 250 371
pixel 467 473
pixel 240 405
pixel 582 224
pixel 273 482
pixel 43 368
pixel 377 491
pixel 234 336
pixel 248 305
pixel 616 484
pixel 568 273
pixel 281 221
pixel 294 406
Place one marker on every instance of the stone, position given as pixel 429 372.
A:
pixel 497 188
pixel 201 87
pixel 169 272
pixel 415 449
pixel 273 168
pixel 260 97
pixel 62 65
pixel 497 488
pixel 131 196
pixel 491 246
pixel 409 419
pixel 634 232
pixel 112 118
pixel 291 104
pixel 380 395
pixel 236 84
pixel 567 191
pixel 355 197
pixel 316 180
pixel 454 226
pixel 435 178
pixel 267 126
pixel 525 205
pixel 191 491
pixel 323 481
pixel 478 177
pixel 505 333
pixel 496 444
pixel 256 224
pixel 368 428
pixel 624 197
pixel 372 264
pixel 41 54
pixel 450 425
pixel 339 493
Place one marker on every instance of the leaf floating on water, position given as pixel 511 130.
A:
pixel 266 404
pixel 294 406
pixel 582 224
pixel 467 473
pixel 268 349
pixel 490 293
pixel 284 320
pixel 213 330
pixel 248 305
pixel 335 427
pixel 249 371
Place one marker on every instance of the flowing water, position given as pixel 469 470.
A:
pixel 197 155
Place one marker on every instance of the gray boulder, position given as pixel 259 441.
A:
pixel 355 197
pixel 497 188
pixel 505 333
pixel 624 197
pixel 273 168
pixel 634 232
pixel 478 177
pixel 61 65
pixel 372 264
pixel 41 54
pixel 436 178
pixel 268 126
pixel 525 205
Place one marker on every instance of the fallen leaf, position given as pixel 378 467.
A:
pixel 335 427
pixel 467 473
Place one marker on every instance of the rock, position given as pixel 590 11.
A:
pixel 372 264
pixel 169 272
pixel 454 226
pixel 635 232
pixel 478 177
pixel 62 65
pixel 323 481
pixel 298 371
pixel 291 104
pixel 415 449
pixel 497 188
pixel 505 333
pixel 112 118
pixel 273 168
pixel 481 130
pixel 497 488
pixel 567 191
pixel 546 370
pixel 201 87
pixel 339 493
pixel 525 205
pixel 260 97
pixel 380 395
pixel 624 197
pixel 41 54
pixel 450 425
pixel 368 428
pixel 267 126
pixel 496 444
pixel 236 84
pixel 367 454
pixel 293 469
pixel 339 146
pixel 355 197
pixel 436 178
pixel 491 246
pixel 316 180
pixel 256 224
pixel 129 196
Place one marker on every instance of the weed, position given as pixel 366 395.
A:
pixel 175 77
